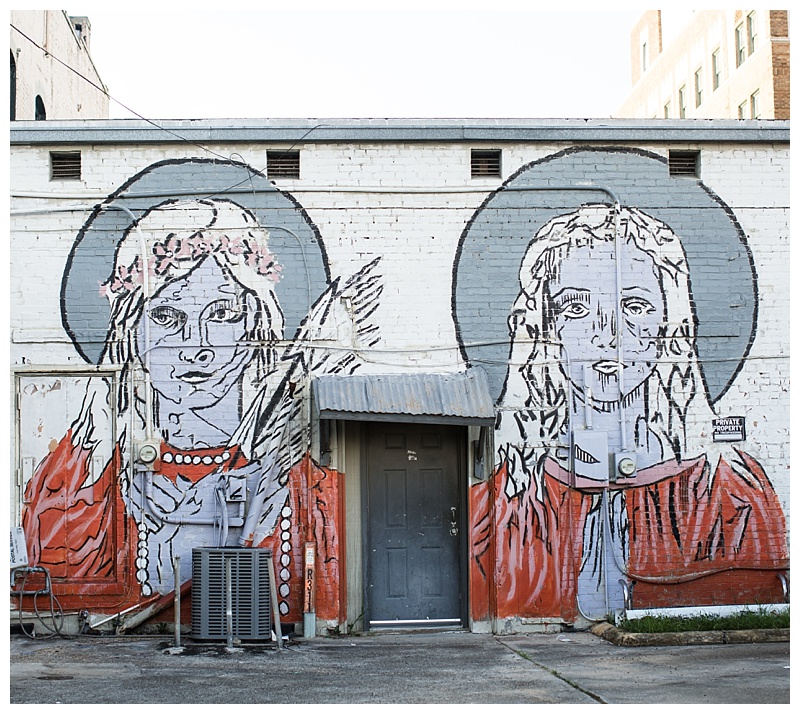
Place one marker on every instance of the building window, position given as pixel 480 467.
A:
pixel 283 164
pixel 39 113
pixel 684 163
pixel 740 45
pixel 742 110
pixel 682 102
pixel 644 56
pixel 485 163
pixel 698 87
pixel 752 33
pixel 65 165
pixel 755 108
pixel 667 110
pixel 716 70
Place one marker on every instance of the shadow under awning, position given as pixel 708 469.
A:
pixel 456 398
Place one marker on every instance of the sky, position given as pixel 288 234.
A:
pixel 346 59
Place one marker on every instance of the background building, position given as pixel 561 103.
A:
pixel 709 64
pixel 41 87
pixel 375 348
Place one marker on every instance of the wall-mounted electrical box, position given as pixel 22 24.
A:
pixel 19 551
pixel 590 454
pixel 625 465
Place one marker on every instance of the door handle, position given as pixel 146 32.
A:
pixel 453 522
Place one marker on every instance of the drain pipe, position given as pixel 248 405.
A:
pixel 229 602
pixel 176 577
pixel 618 249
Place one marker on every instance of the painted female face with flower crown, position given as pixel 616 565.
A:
pixel 212 312
pixel 197 334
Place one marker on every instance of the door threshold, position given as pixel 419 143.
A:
pixel 424 625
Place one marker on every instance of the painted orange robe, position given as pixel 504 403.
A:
pixel 684 529
pixel 83 536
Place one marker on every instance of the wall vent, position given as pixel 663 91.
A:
pixel 283 164
pixel 250 593
pixel 485 163
pixel 65 165
pixel 684 163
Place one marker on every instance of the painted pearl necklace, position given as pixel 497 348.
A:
pixel 189 458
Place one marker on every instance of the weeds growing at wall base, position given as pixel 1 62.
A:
pixel 762 619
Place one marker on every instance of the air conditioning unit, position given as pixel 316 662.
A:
pixel 251 615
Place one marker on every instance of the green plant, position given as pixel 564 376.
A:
pixel 761 619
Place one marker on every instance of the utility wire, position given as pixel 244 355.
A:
pixel 106 93
pixel 99 88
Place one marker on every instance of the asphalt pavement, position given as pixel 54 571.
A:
pixel 431 667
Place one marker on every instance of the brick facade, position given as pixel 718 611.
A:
pixel 43 42
pixel 415 268
pixel 753 86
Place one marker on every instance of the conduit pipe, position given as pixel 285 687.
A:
pixel 618 289
pixel 618 299
pixel 190 520
pixel 176 579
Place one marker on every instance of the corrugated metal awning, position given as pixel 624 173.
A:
pixel 460 398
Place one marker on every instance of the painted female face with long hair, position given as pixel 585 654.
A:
pixel 212 313
pixel 584 315
pixel 565 331
pixel 197 336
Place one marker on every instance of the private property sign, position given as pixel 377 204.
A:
pixel 729 429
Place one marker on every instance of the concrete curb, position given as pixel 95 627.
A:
pixel 722 637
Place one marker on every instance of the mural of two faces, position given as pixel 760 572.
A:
pixel 631 311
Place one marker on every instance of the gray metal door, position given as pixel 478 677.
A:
pixel 413 525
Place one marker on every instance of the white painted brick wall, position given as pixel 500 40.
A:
pixel 416 236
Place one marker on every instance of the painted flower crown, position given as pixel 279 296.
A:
pixel 175 251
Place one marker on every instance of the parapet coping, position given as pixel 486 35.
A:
pixel 297 132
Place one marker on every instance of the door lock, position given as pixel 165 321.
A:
pixel 453 522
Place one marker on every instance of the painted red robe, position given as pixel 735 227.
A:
pixel 693 539
pixel 84 537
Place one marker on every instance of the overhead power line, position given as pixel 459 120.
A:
pixel 104 91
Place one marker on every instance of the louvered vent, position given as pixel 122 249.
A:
pixel 684 163
pixel 283 164
pixel 65 165
pixel 250 593
pixel 485 163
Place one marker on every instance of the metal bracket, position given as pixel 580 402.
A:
pixel 784 578
pixel 627 592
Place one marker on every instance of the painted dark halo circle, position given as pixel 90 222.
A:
pixel 293 239
pixel 722 273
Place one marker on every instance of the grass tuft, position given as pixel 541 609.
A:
pixel 762 619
